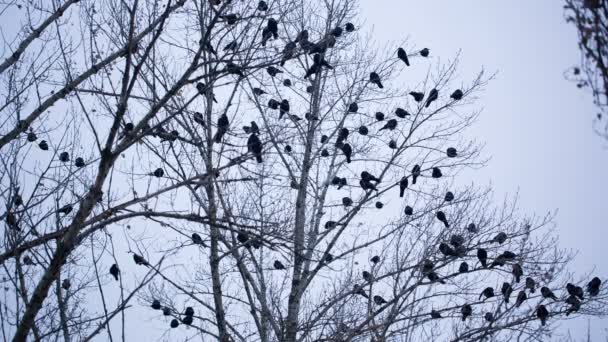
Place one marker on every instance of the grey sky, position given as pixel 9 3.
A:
pixel 536 126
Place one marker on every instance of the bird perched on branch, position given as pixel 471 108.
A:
pixel 222 128
pixel 375 79
pixel 402 55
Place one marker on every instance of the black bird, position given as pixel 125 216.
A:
pixel 139 260
pixel 287 82
pixel 489 317
pixel 409 211
pixel 542 313
pixel 278 265
pixel 367 185
pixel 289 52
pixel 262 6
pixel 499 261
pixel 482 255
pixel 254 145
pixel 457 94
pixel 196 239
pixel 449 196
pixel 506 291
pixel 366 176
pixel 302 36
pixel 521 297
pixel 353 107
pixel 187 320
pixel 79 162
pixel 18 200
pixel 349 27
pixel 331 224
pixel 576 291
pixel 434 277
pixel 424 52
pixel 508 255
pixel 441 217
pixel 433 95
pixel 415 173
pixel 336 32
pixel 230 19
pixel 427 267
pixel 222 128
pixel 156 304
pixel 379 116
pixel 310 89
pixel 500 238
pixel 401 113
pixel 375 79
pixel 266 35
pixel 402 186
pixel 435 314
pixel 451 152
pixel 464 267
pixel 234 69
pixel 446 250
pixel 198 118
pixel 288 148
pixel 31 137
pixel 357 289
pixel 594 286
pixel 547 293
pixel 367 276
pixel 363 130
pixel 64 157
pixel 233 45
pixel 375 259
pixel 342 135
pixel 457 240
pixel 472 228
pixel 348 151
pixel 272 71
pixel 466 311
pixel 114 271
pixel 347 202
pixel 436 173
pixel 242 236
pixel 530 285
pixel 166 311
pixel 488 292
pixel 158 173
pixel 575 304
pixel 324 153
pixel 258 91
pixel 336 180
pixel 174 323
pixel 254 129
pixel 517 272
pixel 402 55
pixel 283 108
pixel 418 97
pixel 379 205
pixel 324 139
pixel 379 300
pixel 43 145
pixel 273 27
pixel 392 144
pixel 390 125
pixel 189 311
pixel 66 209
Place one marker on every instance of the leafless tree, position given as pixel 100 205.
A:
pixel 591 20
pixel 263 232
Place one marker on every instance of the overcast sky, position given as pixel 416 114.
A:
pixel 536 125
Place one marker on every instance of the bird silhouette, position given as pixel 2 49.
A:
pixel 441 217
pixel 66 209
pixel 379 300
pixel 353 107
pixel 166 311
pixel 242 236
pixel 366 176
pixel 230 19
pixel 324 139
pixel 197 240
pixel 114 271
pixel 434 277
pixel 576 291
pixel 547 293
pixel 258 91
pixel 357 289
pixel 273 71
pixel 436 173
pixel 363 130
pixel 367 276
pixel 415 173
pixel 433 95
pixel 521 297
pixel 139 260
pixel 342 135
pixel 174 323
pixel 31 137
pixel 349 27
pixel 418 97
pixel 488 292
pixel 500 238
pixel 457 240
pixel 449 196
pixel 451 152
pixel 466 311
pixel 375 79
pixel 435 314
pixel 232 46
pixel 463 268
pixel 379 205
pixel 262 6
pixel 287 82
pixel 499 261
pixel 348 151
pixel 446 250
pixel 375 259
pixel 254 146
pixel 278 265
pixel 508 255
pixel 482 256
pixel 64 157
pixel 283 108
pixel 457 95
pixel 43 145
pixel 472 228
pixel 379 116
pixel 390 125
pixel 273 26
pixel 506 291
pixel 424 52
pixel 347 202
pixel 222 128
pixel 542 313
pixel 392 144
pixel 488 316
pixel 158 173
pixel 593 287
pixel 336 31
pixel 324 153
pixel 187 320
pixel 530 285
pixel 409 211
pixel 402 55
pixel 156 304
pixel 401 113
pixel 402 186
pixel 189 311
pixel 79 162
pixel 517 272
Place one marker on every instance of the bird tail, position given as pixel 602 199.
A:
pixel 348 159
pixel 401 192
pixel 446 224
pixel 543 321
pixel 115 276
pixel 258 158
pixel 380 85
pixel 218 137
pixel 414 179
pixel 428 103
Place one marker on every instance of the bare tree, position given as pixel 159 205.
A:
pixel 327 217
pixel 591 20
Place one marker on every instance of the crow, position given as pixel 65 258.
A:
pixel 547 293
pixel 348 151
pixel 402 186
pixel 451 152
pixel 156 304
pixel 433 95
pixel 506 291
pixel 488 292
pixel 353 107
pixel 278 265
pixel 457 95
pixel 379 300
pixel 357 289
pixel 594 286
pixel 415 173
pixel 482 255
pixel 363 130
pixel 379 116
pixel 222 128
pixel 464 267
pixel 197 240
pixel 530 285
pixel 390 125
pixel 401 113
pixel 542 313
pixel 375 79
pixel 435 314
pixel 375 259
pixel 466 311
pixel 441 217
pixel 500 238
pixel 521 297
pixel 517 272
pixel 424 52
pixel 418 97
pixel 114 271
pixel 139 260
pixel 436 173
pixel 409 211
pixel 449 196
pixel 402 55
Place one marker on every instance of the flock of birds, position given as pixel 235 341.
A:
pixel 453 249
